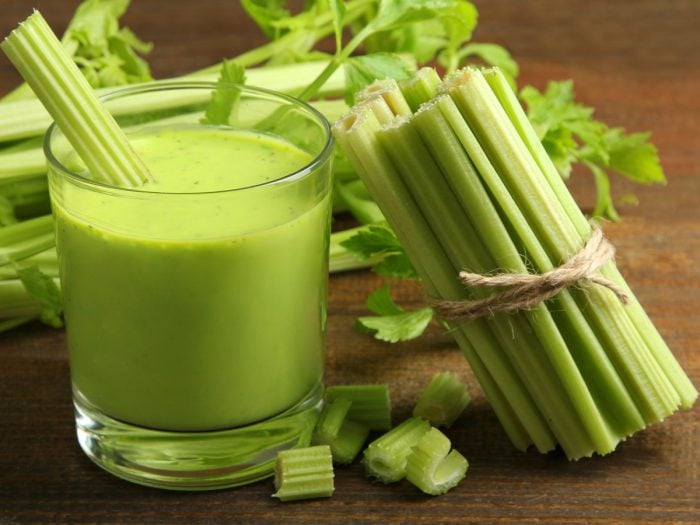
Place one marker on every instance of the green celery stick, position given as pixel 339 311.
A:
pixel 420 87
pixel 335 429
pixel 58 83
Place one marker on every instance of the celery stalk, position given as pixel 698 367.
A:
pixel 349 442
pixel 461 190
pixel 20 240
pixel 64 91
pixel 421 87
pixel 335 429
pixel 331 420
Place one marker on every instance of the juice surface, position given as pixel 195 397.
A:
pixel 196 312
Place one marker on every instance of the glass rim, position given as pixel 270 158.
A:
pixel 167 85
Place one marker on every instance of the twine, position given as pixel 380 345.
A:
pixel 527 290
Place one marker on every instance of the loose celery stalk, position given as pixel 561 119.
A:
pixel 443 400
pixel 63 90
pixel 304 473
pixel 385 458
pixel 432 467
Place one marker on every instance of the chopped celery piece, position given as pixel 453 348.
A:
pixel 349 441
pixel 432 467
pixel 344 436
pixel 385 458
pixel 304 473
pixel 58 83
pixel 371 404
pixel 331 420
pixel 443 400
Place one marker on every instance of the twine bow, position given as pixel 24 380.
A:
pixel 526 290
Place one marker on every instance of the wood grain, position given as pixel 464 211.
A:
pixel 637 63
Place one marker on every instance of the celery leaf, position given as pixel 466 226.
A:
pixel 266 13
pixel 392 323
pixel 634 157
pixel 571 134
pixel 392 14
pixel 224 99
pixel 43 288
pixel 423 29
pixel 381 303
pixel 373 241
pixel 337 7
pixel 360 71
pixel 380 240
pixel 106 53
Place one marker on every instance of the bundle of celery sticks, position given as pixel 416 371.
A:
pixel 465 184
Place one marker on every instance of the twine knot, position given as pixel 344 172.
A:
pixel 527 290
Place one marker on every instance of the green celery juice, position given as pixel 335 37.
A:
pixel 196 302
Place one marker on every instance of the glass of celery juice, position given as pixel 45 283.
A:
pixel 195 305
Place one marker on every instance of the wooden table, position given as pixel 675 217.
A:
pixel 638 63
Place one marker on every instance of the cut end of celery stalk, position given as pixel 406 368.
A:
pixel 432 467
pixel 443 400
pixel 344 436
pixel 63 90
pixel 385 458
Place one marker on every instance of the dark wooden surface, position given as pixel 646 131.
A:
pixel 638 63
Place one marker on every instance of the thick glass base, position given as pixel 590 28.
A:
pixel 193 460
